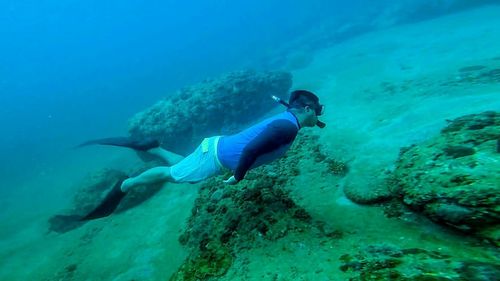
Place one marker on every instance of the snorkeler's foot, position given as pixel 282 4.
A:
pixel 141 145
pixel 109 204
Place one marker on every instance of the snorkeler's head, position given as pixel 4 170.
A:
pixel 302 99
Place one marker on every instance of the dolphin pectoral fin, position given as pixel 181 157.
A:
pixel 109 204
pixel 141 145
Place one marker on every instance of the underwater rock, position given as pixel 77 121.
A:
pixel 256 209
pixel 389 262
pixel 338 168
pixel 213 262
pixel 213 107
pixel 366 184
pixel 479 271
pixel 454 177
pixel 228 219
pixel 458 151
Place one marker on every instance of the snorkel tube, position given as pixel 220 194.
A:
pixel 284 103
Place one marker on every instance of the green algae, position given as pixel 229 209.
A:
pixel 389 262
pixel 213 262
pixel 453 178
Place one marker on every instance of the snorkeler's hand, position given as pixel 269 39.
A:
pixel 231 181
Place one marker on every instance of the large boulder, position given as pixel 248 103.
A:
pixel 454 178
pixel 213 107
pixel 367 184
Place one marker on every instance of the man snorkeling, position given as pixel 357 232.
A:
pixel 255 146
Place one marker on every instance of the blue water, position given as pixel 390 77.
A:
pixel 73 70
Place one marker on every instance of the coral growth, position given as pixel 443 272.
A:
pixel 227 219
pixel 214 107
pixel 337 167
pixel 389 262
pixel 214 261
pixel 453 178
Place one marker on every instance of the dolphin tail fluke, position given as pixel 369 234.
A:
pixel 109 204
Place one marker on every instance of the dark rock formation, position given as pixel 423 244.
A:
pixel 214 107
pixel 389 262
pixel 454 178
pixel 367 185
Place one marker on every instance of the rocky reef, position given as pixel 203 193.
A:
pixel 367 184
pixel 390 262
pixel 214 107
pixel 454 177
pixel 228 219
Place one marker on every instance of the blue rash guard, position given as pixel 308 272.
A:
pixel 258 145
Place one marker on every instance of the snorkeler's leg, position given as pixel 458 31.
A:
pixel 119 190
pixel 151 176
pixel 108 204
pixel 169 157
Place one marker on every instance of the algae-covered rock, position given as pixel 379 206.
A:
pixel 213 262
pixel 390 262
pixel 454 178
pixel 228 219
pixel 234 219
pixel 214 107
pixel 367 184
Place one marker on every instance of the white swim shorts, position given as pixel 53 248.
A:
pixel 199 165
